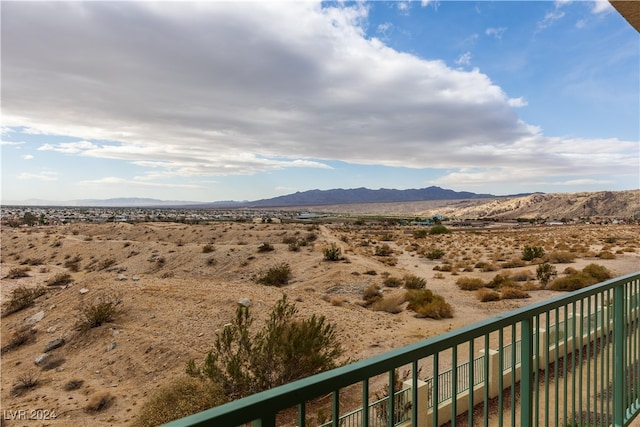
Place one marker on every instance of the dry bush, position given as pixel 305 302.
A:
pixel 60 279
pixel 523 276
pixel 21 298
pixel 278 275
pixel 414 282
pixel 487 295
pixel 337 301
pixel 208 248
pixel 590 275
pixel 392 282
pixel 513 263
pixel 24 383
pixel 73 385
pixel 470 283
pixel 486 267
pixel 73 264
pixel 606 255
pixel 427 304
pixel 513 293
pixel 23 336
pixel 99 402
pixel 266 247
pixel 102 310
pixel 560 257
pixel 18 272
pixel 52 363
pixel 178 399
pixel 501 280
pixel 371 294
pixel 391 304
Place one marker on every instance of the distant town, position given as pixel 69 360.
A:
pixel 16 216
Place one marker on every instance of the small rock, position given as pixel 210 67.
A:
pixel 135 278
pixel 52 345
pixel 35 318
pixel 83 291
pixel 201 334
pixel 245 302
pixel 111 346
pixel 121 277
pixel 53 306
pixel 52 329
pixel 42 359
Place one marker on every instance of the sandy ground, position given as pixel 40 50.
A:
pixel 176 296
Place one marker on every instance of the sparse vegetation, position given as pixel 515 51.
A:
pixel 545 272
pixel 332 253
pixel 383 250
pixel 278 275
pixel 427 304
pixel 487 295
pixel 98 312
pixel 414 282
pixel 470 283
pixel 439 229
pixel 590 275
pixel 60 279
pixel 434 254
pixel 18 272
pixel 73 385
pixel 25 382
pixel 529 253
pixel 20 337
pixel 266 247
pixel 21 298
pixel 99 402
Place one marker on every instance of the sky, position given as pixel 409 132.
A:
pixel 216 101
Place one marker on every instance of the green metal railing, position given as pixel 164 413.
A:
pixel 559 377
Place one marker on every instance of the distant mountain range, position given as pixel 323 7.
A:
pixel 305 198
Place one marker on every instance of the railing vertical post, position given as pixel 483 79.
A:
pixel 618 355
pixel 265 421
pixel 526 360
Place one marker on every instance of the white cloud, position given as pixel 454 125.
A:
pixel 601 6
pixel 12 143
pixel 464 59
pixel 27 156
pixel 42 176
pixel 110 181
pixel 232 88
pixel 550 18
pixel 583 182
pixel 496 32
pixel 404 6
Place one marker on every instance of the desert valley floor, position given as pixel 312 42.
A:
pixel 180 284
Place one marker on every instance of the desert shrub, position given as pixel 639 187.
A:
pixel 383 250
pixel 427 304
pixel 73 385
pixel 501 280
pixel 60 279
pixel 388 260
pixel 439 229
pixel 606 255
pixel 514 263
pixel 545 272
pixel 21 298
pixel 598 272
pixel 509 292
pixel 18 272
pixel 99 402
pixel 294 246
pixel 392 304
pixel 25 382
pixel 106 263
pixel 178 399
pixel 487 295
pixel 371 294
pixel 523 276
pixel 208 248
pixel 284 350
pixel 470 283
pixel 73 264
pixel 529 253
pixel 52 363
pixel 20 337
pixel 101 310
pixel 420 234
pixel 485 266
pixel 332 253
pixel 561 257
pixel 572 282
pixel 392 282
pixel 371 273
pixel 434 254
pixel 414 282
pixel 266 247
pixel 278 275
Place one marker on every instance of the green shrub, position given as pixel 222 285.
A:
pixel 102 310
pixel 470 283
pixel 529 253
pixel 434 254
pixel 178 399
pixel 544 273
pixel 420 234
pixel 487 295
pixel 427 304
pixel 598 272
pixel 572 282
pixel 332 253
pixel 414 282
pixel 21 298
pixel 284 350
pixel 278 275
pixel 439 229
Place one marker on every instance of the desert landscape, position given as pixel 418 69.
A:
pixel 175 286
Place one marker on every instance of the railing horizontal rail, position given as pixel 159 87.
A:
pixel 265 405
